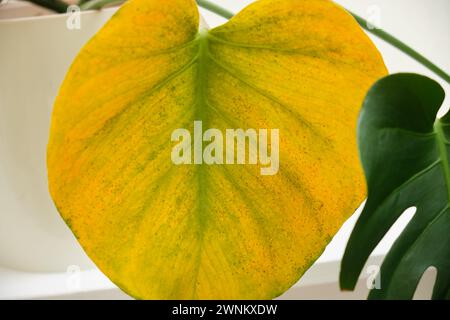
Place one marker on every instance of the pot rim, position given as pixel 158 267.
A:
pixel 16 5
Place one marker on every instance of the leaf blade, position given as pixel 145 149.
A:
pixel 185 232
pixel 403 168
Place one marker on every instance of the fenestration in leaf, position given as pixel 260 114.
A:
pixel 166 231
pixel 405 155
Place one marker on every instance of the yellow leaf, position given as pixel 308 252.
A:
pixel 166 231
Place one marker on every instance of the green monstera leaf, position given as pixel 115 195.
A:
pixel 405 155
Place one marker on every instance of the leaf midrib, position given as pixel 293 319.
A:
pixel 441 142
pixel 200 114
pixel 443 158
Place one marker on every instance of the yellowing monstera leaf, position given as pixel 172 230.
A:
pixel 194 231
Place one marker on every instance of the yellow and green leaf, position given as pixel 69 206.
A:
pixel 165 231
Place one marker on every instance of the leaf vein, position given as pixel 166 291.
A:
pixel 270 97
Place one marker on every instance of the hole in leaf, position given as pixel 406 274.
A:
pixel 424 290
